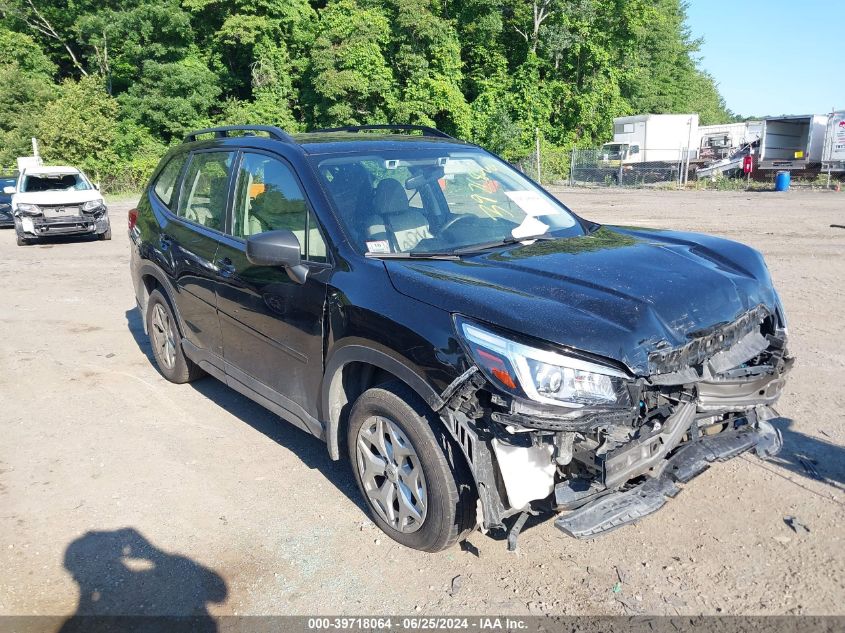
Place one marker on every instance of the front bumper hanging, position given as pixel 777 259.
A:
pixel 35 226
pixel 609 511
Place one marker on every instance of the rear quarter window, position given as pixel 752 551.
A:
pixel 166 180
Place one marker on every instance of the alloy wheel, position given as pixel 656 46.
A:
pixel 391 475
pixel 164 339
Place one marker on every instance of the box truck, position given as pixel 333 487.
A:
pixel 646 138
pixel 793 142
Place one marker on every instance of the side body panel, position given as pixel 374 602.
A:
pixel 272 326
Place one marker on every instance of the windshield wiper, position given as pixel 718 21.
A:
pixel 503 242
pixel 412 255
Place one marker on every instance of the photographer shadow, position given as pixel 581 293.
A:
pixel 128 584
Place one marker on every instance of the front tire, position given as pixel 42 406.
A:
pixel 105 235
pixel 411 475
pixel 167 343
pixel 21 240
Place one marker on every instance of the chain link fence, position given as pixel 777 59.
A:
pixel 606 167
pixel 551 168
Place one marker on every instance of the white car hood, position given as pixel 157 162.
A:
pixel 55 197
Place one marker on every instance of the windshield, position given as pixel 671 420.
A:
pixel 55 182
pixel 437 201
pixel 613 150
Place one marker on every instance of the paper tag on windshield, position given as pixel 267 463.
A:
pixel 530 226
pixel 378 246
pixel 533 203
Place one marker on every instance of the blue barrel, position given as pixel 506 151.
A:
pixel 782 181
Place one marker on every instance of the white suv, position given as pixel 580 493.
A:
pixel 58 200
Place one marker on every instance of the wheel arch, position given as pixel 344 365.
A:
pixel 152 278
pixel 340 389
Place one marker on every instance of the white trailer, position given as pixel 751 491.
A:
pixel 653 137
pixel 720 141
pixel 793 142
pixel 833 156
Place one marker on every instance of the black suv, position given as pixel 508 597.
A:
pixel 479 352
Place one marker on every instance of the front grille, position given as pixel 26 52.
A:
pixel 60 210
pixel 702 347
pixel 63 219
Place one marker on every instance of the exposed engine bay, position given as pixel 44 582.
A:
pixel 601 467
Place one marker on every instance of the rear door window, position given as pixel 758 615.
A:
pixel 167 178
pixel 205 189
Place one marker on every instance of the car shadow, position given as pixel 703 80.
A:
pixel 128 584
pixel 308 448
pixel 810 457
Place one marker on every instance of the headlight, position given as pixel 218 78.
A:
pixel 28 209
pixel 93 205
pixel 541 375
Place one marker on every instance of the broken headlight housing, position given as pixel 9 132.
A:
pixel 25 208
pixel 93 206
pixel 542 375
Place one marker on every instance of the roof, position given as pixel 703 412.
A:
pixel 47 170
pixel 635 118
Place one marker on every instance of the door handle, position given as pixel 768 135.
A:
pixel 225 267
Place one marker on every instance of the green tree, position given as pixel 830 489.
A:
pixel 425 55
pixel 80 127
pixel 349 80
pixel 119 41
pixel 171 99
pixel 661 72
pixel 22 100
pixel 21 50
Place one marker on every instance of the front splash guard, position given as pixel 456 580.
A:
pixel 620 508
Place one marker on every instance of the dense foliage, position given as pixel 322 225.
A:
pixel 109 84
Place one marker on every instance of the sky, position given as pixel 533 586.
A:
pixel 773 57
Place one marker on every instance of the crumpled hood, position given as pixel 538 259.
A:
pixel 619 293
pixel 56 197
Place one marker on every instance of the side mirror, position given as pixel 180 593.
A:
pixel 277 248
pixel 9 189
pixel 635 149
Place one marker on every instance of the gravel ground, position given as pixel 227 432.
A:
pixel 139 496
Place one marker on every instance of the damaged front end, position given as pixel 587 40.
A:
pixel 42 220
pixel 556 430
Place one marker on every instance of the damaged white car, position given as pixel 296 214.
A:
pixel 54 201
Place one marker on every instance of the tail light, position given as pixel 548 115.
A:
pixel 133 218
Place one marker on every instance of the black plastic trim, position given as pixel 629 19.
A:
pixel 360 353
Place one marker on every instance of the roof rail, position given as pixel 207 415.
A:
pixel 426 130
pixel 223 132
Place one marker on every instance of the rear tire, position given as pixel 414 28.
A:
pixel 167 342
pixel 429 494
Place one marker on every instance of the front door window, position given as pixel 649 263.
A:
pixel 268 198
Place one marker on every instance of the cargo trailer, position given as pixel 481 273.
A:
pixel 793 142
pixel 720 141
pixel 833 156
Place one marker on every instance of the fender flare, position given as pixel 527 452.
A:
pixel 167 289
pixel 333 399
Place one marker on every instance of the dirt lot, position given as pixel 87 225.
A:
pixel 150 497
